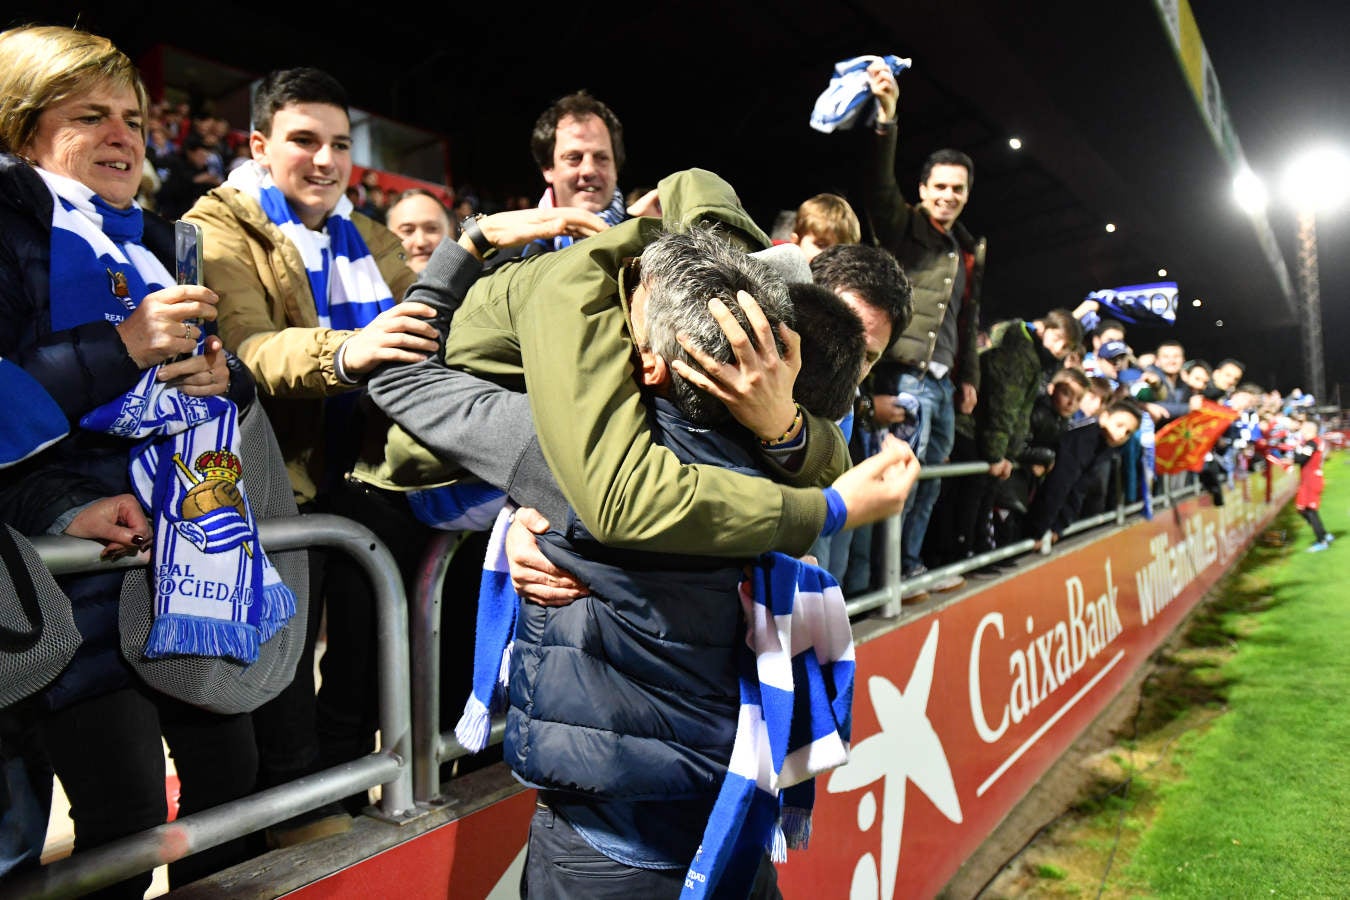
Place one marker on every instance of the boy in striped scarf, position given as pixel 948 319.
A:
pixel 310 294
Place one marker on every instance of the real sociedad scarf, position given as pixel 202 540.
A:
pixel 1154 303
pixel 215 593
pixel 348 289
pixel 498 605
pixel 35 421
pixel 613 214
pixel 797 669
pixel 842 103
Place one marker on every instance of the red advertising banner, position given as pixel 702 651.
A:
pixel 956 715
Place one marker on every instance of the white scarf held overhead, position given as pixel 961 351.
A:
pixel 841 104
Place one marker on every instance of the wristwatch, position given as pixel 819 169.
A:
pixel 469 228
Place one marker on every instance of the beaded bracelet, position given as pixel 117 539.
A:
pixel 782 438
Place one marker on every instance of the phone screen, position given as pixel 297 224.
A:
pixel 187 251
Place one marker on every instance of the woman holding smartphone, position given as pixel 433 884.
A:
pixel 87 305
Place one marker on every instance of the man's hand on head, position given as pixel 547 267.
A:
pixel 399 334
pixel 757 388
pixel 876 488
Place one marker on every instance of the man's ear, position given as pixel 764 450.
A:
pixel 795 238
pixel 655 369
pixel 257 145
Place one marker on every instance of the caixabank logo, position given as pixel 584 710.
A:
pixel 960 712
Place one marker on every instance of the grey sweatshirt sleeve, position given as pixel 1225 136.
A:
pixel 481 426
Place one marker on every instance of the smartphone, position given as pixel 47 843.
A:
pixel 187 253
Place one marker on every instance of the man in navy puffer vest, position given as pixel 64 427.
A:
pixel 624 703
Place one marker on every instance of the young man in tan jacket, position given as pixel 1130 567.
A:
pixel 309 300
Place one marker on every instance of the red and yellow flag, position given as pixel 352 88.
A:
pixel 1181 444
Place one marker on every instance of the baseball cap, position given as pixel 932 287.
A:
pixel 1112 350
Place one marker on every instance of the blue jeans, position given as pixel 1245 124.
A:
pixel 933 444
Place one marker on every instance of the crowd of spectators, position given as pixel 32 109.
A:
pixel 675 428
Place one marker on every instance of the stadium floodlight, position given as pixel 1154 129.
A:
pixel 1249 191
pixel 1317 180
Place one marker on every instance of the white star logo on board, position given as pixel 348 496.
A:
pixel 905 749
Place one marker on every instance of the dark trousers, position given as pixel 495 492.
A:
pixel 560 864
pixel 348 700
pixel 288 743
pixel 1311 516
pixel 107 753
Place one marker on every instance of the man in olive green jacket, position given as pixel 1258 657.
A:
pixel 556 326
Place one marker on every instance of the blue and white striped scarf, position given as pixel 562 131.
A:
pixel 841 104
pixel 498 605
pixel 795 723
pixel 464 506
pixel 215 593
pixel 35 421
pixel 1147 461
pixel 613 214
pixel 348 289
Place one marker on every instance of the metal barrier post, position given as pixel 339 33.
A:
pixel 426 666
pixel 391 624
pixel 389 767
pixel 892 531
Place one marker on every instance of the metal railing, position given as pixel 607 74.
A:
pixel 388 768
pixel 887 599
pixel 432 746
pixel 407 766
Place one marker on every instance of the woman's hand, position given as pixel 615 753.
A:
pixel 117 522
pixel 202 375
pixel 158 329
pixel 534 577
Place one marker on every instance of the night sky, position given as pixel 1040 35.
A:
pixel 729 86
pixel 1285 74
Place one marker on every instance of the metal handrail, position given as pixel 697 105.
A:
pixel 389 767
pixel 431 746
pixel 887 597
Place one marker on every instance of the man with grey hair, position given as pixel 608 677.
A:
pixel 644 656
pixel 679 275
